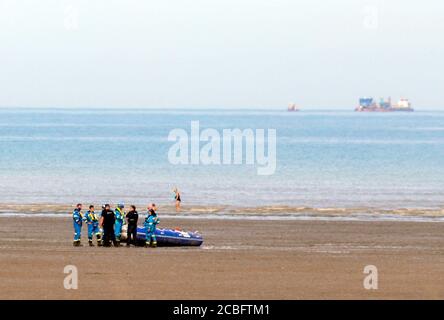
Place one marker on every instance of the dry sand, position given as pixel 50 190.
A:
pixel 239 260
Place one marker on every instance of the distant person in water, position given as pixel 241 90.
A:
pixel 77 218
pixel 132 217
pixel 177 199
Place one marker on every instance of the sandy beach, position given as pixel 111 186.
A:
pixel 239 260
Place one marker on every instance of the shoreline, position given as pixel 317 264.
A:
pixel 273 212
pixel 365 218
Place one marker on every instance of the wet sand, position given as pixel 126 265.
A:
pixel 275 210
pixel 239 260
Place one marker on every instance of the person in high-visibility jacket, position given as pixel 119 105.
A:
pixel 151 221
pixel 120 220
pixel 77 222
pixel 92 221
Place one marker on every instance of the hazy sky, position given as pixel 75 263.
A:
pixel 220 53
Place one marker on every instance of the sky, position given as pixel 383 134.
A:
pixel 260 54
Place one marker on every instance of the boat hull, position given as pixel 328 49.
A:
pixel 169 237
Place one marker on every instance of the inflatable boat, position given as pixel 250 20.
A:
pixel 168 237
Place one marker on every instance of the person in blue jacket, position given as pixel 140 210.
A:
pixel 120 220
pixel 151 221
pixel 77 222
pixel 92 221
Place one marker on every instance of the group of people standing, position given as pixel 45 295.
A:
pixel 108 228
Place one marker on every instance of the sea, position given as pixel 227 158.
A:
pixel 328 163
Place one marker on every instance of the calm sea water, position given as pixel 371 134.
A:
pixel 324 159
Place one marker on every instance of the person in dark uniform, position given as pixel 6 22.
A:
pixel 132 217
pixel 107 221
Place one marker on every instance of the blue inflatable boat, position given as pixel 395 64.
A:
pixel 169 237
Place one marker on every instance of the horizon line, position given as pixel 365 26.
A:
pixel 190 108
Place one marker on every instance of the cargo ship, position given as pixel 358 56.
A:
pixel 292 107
pixel 369 105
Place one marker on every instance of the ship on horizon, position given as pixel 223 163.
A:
pixel 292 107
pixel 369 105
